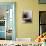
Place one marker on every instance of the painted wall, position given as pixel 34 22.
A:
pixel 30 30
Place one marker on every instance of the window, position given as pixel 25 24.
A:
pixel 7 21
pixel 42 22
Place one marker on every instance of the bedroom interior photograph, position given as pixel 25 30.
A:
pixel 7 27
pixel 23 22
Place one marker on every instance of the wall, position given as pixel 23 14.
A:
pixel 30 30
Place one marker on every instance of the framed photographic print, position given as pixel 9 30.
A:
pixel 27 16
pixel 42 22
pixel 42 1
pixel 7 20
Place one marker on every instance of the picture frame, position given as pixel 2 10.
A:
pixel 42 22
pixel 7 20
pixel 27 16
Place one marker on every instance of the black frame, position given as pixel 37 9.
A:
pixel 39 25
pixel 39 21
